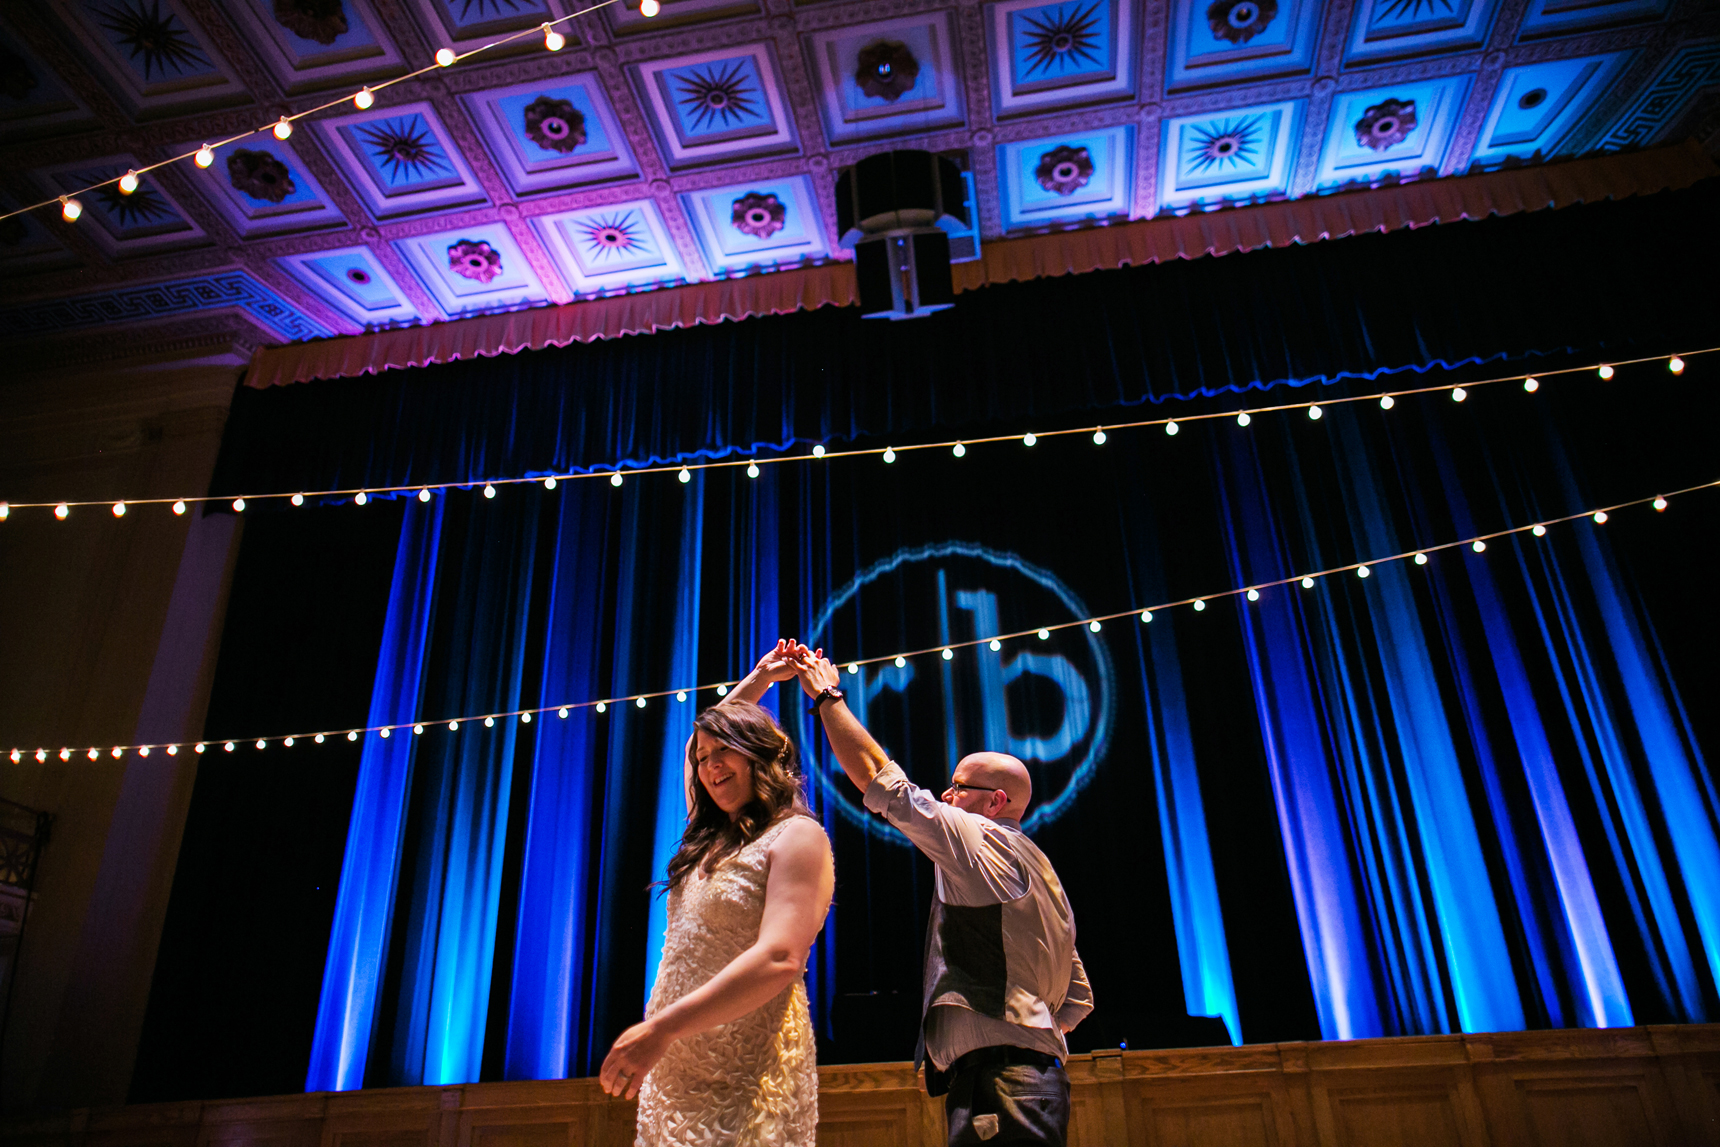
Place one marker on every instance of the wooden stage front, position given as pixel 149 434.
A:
pixel 1629 1087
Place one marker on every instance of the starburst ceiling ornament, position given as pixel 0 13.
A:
pixel 555 125
pixel 1410 9
pixel 1386 124
pixel 718 98
pixel 323 21
pixel 145 205
pixel 886 69
pixel 473 259
pixel 1062 40
pixel 159 41
pixel 1224 143
pixel 607 236
pixel 404 150
pixel 1239 21
pixel 259 175
pixel 1064 170
pixel 758 215
pixel 492 9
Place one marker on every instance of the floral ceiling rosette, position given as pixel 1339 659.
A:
pixel 474 259
pixel 554 125
pixel 259 175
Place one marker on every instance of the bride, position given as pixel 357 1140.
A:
pixel 726 1053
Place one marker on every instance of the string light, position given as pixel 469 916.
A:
pixel 385 732
pixel 615 478
pixel 680 694
pixel 351 736
pixel 1539 530
pixel 489 490
pixel 361 498
pixel 995 645
pixel 959 450
pixel 1146 616
pixel 639 702
pixel 228 747
pixel 62 511
pixel 1171 428
pixel 602 708
pixel 238 505
pixel 525 718
pixel 1479 546
pixel 205 156
pixel 179 506
pixel 901 662
pixel 853 668
pixel 818 449
pixel 752 470
pixel 283 128
pixel 1675 365
pixel 649 8
pixel 1099 437
pixel 128 183
pixel 562 712
pixel 685 475
pixel 70 209
pixel 1421 559
pixel 552 39
pixel 1315 412
pixel 948 654
pixel 1094 625
pixel 889 454
pixel 549 482
pixel 1659 505
pixel 1531 385
pixel 1600 517
pixel 1307 583
pixel 489 722
pixel 1606 372
pixel 1458 394
pixel 424 495
pixel 1199 605
pixel 261 743
pixel 453 727
pixel 119 509
pixel 1387 402
pixel 1044 633
pixel 1029 439
pixel 5 511
pixel 318 739
pixel 363 98
pixel 445 57
pixel 418 730
pixel 298 499
pixel 1253 595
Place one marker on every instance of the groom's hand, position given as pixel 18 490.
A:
pixel 817 674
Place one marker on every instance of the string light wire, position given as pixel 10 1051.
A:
pixel 684 470
pixel 366 94
pixel 947 650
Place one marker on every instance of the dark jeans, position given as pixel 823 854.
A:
pixel 1007 1095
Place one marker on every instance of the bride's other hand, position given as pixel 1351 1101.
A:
pixel 777 664
pixel 635 1053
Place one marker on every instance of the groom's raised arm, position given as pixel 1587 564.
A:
pixel 859 755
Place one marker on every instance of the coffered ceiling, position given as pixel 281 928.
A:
pixel 704 142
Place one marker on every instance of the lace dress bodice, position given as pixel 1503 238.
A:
pixel 749 1083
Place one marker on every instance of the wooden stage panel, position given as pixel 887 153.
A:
pixel 1632 1087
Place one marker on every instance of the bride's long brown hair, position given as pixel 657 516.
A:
pixel 711 835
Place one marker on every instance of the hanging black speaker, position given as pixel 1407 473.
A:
pixel 889 209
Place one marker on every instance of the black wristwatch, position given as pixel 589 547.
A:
pixel 829 694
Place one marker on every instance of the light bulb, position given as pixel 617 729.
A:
pixel 1315 412
pixel 361 497
pixel 1044 633
pixel 549 482
pixel 205 156
pixel 1253 595
pixel 16 756
pixel 1307 583
pixel 66 754
pixel 1600 517
pixel 418 730
pixel 5 511
pixel 639 702
pixel 318 738
pixel 602 708
pixel 1094 625
pixel 889 454
pixel 298 499
pixel 172 751
pixel 680 694
pixel 1458 394
pixel 363 98
pixel 423 495
pixel 525 718
pixel 179 506
pixel 995 645
pixel 685 475
pixel 489 722
pixel 444 57
pixel 119 509
pixel 562 712
pixel 489 490
pixel 1531 385
pixel 228 747
pixel 818 449
pixel 615 478
pixel 288 742
pixel 128 184
pixel 62 511
pixel 1098 437
pixel 1421 559
pixel 1675 365
pixel 853 668
pixel 118 752
pixel 1199 605
pixel 959 450
pixel 199 747
pixel 94 753
pixel 649 8
pixel 1478 546
pixel 385 733
pixel 552 39
pixel 752 469
pixel 238 505
pixel 1539 530
pixel 1362 571
pixel 453 726
pixel 722 690
pixel 1659 503
pixel 283 128
pixel 261 743
pixel 1171 428
pixel 948 655
pixel 352 735
pixel 1387 402
pixel 1243 419
pixel 70 209
pixel 1029 439
pixel 901 661
pixel 42 754
pixel 1146 616
pixel 1605 372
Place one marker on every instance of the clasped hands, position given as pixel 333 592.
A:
pixel 792 659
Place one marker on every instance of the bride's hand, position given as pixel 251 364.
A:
pixel 635 1053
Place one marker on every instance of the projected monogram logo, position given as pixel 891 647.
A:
pixel 1049 702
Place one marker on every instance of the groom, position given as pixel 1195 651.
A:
pixel 1003 982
